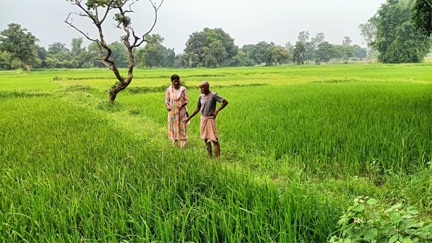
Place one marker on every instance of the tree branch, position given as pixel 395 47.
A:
pixel 123 21
pixel 68 22
pixel 155 9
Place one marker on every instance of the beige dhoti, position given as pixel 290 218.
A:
pixel 208 130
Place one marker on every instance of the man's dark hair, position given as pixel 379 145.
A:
pixel 174 77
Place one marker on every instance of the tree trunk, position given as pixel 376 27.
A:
pixel 27 66
pixel 115 90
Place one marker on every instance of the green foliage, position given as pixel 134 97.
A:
pixel 267 53
pixel 20 44
pixel 154 54
pixel 122 20
pixel 299 53
pixel 366 221
pixel 368 31
pixel 422 15
pixel 209 48
pixel 58 56
pixel 241 60
pixel 325 52
pixel 119 54
pixel 5 60
pixel 396 38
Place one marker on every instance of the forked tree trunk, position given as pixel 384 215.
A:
pixel 115 90
pixel 92 9
pixel 122 82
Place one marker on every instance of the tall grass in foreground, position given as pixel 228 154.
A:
pixel 295 152
pixel 69 174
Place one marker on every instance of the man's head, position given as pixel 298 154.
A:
pixel 204 87
pixel 175 80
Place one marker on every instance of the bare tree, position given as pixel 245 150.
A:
pixel 97 11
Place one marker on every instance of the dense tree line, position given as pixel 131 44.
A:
pixel 207 48
pixel 391 35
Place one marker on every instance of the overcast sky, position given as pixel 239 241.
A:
pixel 246 21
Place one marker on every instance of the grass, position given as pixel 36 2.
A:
pixel 298 144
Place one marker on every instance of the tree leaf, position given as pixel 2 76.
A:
pixel 406 240
pixel 412 210
pixel 359 208
pixel 393 239
pixel 371 234
pixel 372 201
pixel 395 217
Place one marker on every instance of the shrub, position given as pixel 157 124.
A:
pixel 366 221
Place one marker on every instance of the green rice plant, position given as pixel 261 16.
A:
pixel 298 142
pixel 74 175
pixel 334 128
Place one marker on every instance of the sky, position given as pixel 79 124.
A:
pixel 246 21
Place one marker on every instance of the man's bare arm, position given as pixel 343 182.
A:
pixel 224 103
pixel 193 114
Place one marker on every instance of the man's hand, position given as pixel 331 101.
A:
pixel 186 120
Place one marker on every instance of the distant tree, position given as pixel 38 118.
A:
pixel 209 48
pixel 346 49
pixel 241 60
pixel 139 55
pixel 346 41
pixel 279 55
pixel 368 32
pixel 178 61
pixel 58 56
pixel 359 52
pixel 154 51
pixel 289 47
pixel 42 55
pixel 170 57
pixel 343 52
pixel 79 55
pixel 119 54
pixel 422 16
pixel 325 52
pixel 299 53
pixel 397 39
pixel 189 60
pixel 97 11
pixel 312 46
pixel 93 55
pixel 303 36
pixel 268 53
pixel 215 54
pixel 249 50
pixel 5 60
pixel 154 54
pixel 262 53
pixel 318 39
pixel 20 44
pixel 57 47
